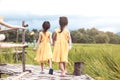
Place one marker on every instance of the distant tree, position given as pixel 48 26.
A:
pixel 82 30
pixel 114 38
pixel 75 36
pixel 101 38
pixel 92 32
pixel 10 36
pixel 93 35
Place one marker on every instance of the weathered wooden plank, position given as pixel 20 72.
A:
pixel 3 45
pixel 21 75
pixel 36 75
pixel 23 50
pixel 12 45
pixel 8 30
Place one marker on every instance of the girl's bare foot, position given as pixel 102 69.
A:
pixel 62 74
pixel 65 71
pixel 42 72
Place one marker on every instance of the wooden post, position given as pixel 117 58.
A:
pixel 16 36
pixel 23 50
pixel 78 68
pixel 0 74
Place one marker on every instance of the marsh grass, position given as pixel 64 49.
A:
pixel 102 61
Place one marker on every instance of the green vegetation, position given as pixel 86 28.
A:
pixel 81 35
pixel 93 35
pixel 102 61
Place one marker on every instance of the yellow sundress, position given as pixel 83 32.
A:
pixel 60 52
pixel 44 52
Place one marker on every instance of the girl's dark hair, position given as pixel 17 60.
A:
pixel 46 26
pixel 63 21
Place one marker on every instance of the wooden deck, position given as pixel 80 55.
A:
pixel 15 73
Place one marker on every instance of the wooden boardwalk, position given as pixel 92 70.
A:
pixel 15 72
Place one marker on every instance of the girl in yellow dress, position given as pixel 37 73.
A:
pixel 44 52
pixel 62 44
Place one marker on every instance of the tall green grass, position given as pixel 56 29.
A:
pixel 102 61
pixel 6 56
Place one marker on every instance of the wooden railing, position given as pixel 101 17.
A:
pixel 11 45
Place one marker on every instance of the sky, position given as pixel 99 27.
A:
pixel 102 12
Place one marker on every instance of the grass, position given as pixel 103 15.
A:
pixel 102 61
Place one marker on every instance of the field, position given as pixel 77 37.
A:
pixel 102 61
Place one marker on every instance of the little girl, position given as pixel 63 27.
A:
pixel 44 52
pixel 62 44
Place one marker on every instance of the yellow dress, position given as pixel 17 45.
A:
pixel 44 52
pixel 60 52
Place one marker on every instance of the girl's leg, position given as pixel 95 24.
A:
pixel 42 67
pixel 50 63
pixel 61 65
pixel 64 64
pixel 50 66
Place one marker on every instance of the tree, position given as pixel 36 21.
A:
pixel 93 35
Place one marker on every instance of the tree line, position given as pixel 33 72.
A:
pixel 93 35
pixel 81 35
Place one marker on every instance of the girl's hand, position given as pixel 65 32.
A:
pixel 34 49
pixel 52 44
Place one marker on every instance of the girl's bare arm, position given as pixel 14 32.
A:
pixel 38 42
pixel 70 41
pixel 51 41
pixel 54 37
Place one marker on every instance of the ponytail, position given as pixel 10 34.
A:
pixel 63 21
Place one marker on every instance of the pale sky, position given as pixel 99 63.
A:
pixel 105 12
pixel 66 7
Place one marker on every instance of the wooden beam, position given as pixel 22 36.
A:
pixel 23 41
pixel 23 50
pixel 7 30
pixel 12 45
